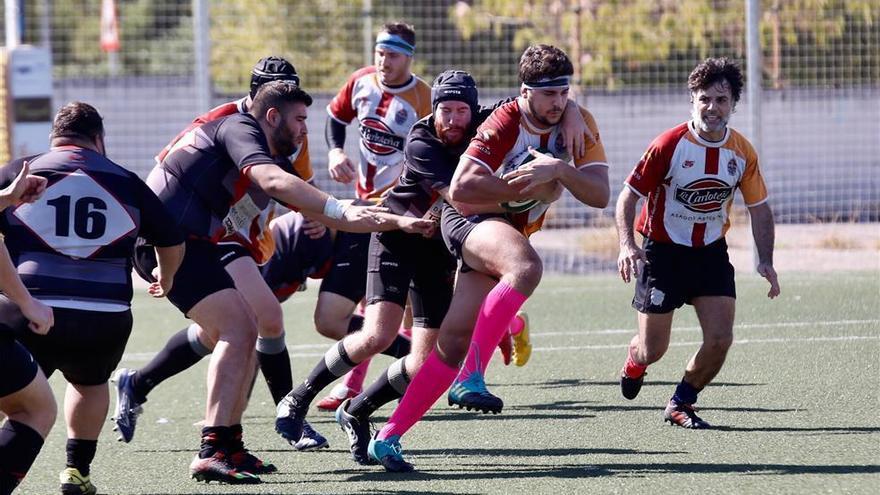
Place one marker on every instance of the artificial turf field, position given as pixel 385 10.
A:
pixel 796 407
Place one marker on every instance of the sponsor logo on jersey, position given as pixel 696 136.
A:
pixel 704 195
pixel 687 164
pixel 379 138
pixel 731 166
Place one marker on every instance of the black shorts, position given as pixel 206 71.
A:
pixel 230 252
pixel 348 271
pixel 456 228
pixel 200 274
pixel 402 264
pixel 85 346
pixel 676 274
pixel 17 367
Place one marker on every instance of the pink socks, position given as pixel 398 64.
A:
pixel 427 386
pixel 495 316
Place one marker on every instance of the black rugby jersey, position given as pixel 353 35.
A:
pixel 203 180
pixel 73 246
pixel 428 167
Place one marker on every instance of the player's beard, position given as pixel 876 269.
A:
pixel 717 126
pixel 448 138
pixel 545 120
pixel 283 141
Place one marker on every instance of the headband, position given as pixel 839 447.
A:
pixel 547 82
pixel 394 43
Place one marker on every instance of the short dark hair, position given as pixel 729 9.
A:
pixel 276 94
pixel 77 120
pixel 543 61
pixel 402 29
pixel 712 71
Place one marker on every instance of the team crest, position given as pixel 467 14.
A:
pixel 401 116
pixel 731 166
pixel 687 164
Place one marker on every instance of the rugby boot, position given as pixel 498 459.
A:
pixel 290 415
pixel 471 394
pixel 219 467
pixel 127 407
pixel 522 344
pixel 389 454
pixel 243 460
pixel 336 396
pixel 684 415
pixel 630 387
pixel 310 439
pixel 358 432
pixel 75 483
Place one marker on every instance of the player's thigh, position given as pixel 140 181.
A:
pixel 250 284
pixel 226 314
pixel 494 247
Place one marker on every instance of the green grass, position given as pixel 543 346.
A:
pixel 796 407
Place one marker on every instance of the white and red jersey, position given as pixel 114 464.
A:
pixel 689 183
pixel 508 133
pixel 251 225
pixel 385 116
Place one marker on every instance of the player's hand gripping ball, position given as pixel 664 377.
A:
pixel 513 164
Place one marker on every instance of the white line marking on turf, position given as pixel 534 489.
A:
pixel 735 342
pixel 632 330
pixel 146 356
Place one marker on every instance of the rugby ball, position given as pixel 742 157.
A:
pixel 512 164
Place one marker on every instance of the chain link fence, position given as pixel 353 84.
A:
pixel 820 102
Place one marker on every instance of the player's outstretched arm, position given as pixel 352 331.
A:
pixel 630 254
pixel 38 314
pixel 763 230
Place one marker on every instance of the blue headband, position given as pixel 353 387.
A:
pixel 394 43
pixel 546 82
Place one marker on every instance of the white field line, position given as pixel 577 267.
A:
pixel 735 342
pixel 146 356
pixel 746 326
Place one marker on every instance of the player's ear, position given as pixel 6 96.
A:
pixel 523 91
pixel 273 116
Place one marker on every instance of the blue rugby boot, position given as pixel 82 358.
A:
pixel 471 394
pixel 310 440
pixel 389 454
pixel 127 407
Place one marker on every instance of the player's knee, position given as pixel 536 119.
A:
pixel 329 326
pixel 38 412
pixel 454 346
pixel 718 344
pixel 270 323
pixel 379 339
pixel 652 352
pixel 528 272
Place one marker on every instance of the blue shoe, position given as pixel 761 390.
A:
pixel 290 416
pixel 389 454
pixel 310 439
pixel 127 408
pixel 358 432
pixel 471 393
